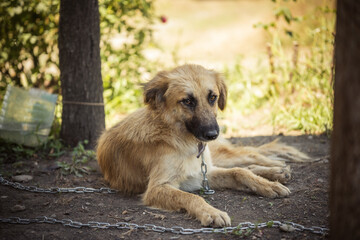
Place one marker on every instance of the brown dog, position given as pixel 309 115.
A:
pixel 153 151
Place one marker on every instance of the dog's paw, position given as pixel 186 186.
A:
pixel 214 217
pixel 273 189
pixel 281 174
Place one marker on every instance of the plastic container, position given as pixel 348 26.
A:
pixel 26 115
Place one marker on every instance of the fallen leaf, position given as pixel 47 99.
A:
pixel 156 215
pixel 124 212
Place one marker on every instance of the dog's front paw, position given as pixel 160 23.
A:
pixel 273 189
pixel 281 174
pixel 214 217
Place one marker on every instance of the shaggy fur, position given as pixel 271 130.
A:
pixel 153 151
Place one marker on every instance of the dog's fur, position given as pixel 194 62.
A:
pixel 153 151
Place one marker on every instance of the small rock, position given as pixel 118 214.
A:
pixel 87 204
pixel 18 208
pixel 53 215
pixel 286 200
pixel 320 180
pixel 287 228
pixel 310 137
pixel 128 219
pixel 4 197
pixel 22 178
pixel 52 167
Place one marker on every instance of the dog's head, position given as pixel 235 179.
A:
pixel 188 97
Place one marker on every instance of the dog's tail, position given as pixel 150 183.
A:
pixel 279 151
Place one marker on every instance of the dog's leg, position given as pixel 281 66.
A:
pixel 281 174
pixel 280 151
pixel 227 156
pixel 241 179
pixel 273 154
pixel 168 197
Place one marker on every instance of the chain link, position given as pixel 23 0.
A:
pixel 151 227
pixel 16 185
pixel 148 227
pixel 205 182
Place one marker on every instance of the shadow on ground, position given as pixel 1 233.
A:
pixel 307 204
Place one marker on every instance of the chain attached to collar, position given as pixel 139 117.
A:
pixel 205 182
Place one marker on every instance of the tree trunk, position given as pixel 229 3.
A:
pixel 83 116
pixel 345 146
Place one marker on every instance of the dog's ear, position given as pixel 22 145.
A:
pixel 222 89
pixel 155 89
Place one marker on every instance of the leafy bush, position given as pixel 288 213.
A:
pixel 29 52
pixel 28 43
pixel 125 31
pixel 79 158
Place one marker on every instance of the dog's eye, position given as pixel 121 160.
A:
pixel 212 99
pixel 188 102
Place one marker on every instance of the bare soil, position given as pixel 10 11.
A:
pixel 307 204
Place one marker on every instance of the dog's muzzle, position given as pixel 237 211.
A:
pixel 211 134
pixel 204 133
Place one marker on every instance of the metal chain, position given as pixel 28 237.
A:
pixel 16 185
pixel 241 228
pixel 205 182
pixel 149 227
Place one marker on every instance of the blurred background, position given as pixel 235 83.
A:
pixel 276 55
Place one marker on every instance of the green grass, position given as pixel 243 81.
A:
pixel 79 158
pixel 294 81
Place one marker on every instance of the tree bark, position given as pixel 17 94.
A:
pixel 83 116
pixel 345 144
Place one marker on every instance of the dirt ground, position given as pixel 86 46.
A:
pixel 307 204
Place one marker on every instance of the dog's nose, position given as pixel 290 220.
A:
pixel 211 135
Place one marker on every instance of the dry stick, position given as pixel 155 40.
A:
pixel 271 57
pixel 295 54
pixel 294 62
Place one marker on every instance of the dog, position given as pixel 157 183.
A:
pixel 153 151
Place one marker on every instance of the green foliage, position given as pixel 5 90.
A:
pixel 247 91
pixel 53 148
pixel 126 31
pixel 298 82
pixel 269 224
pixel 29 52
pixel 79 157
pixel 12 152
pixel 243 233
pixel 296 85
pixel 28 43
